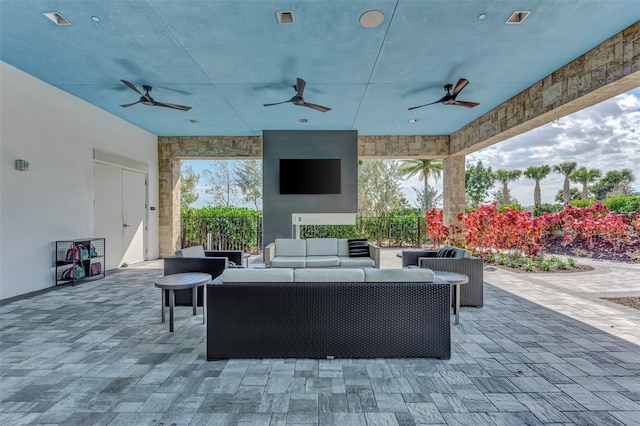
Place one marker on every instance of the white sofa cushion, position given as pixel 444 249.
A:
pixel 257 275
pixel 328 275
pixel 322 247
pixel 356 262
pixel 195 251
pixel 290 247
pixel 288 262
pixel 322 261
pixel 398 275
pixel 343 247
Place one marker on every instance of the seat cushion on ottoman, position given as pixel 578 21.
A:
pixel 257 275
pixel 357 262
pixel 288 262
pixel 328 275
pixel 322 261
pixel 398 275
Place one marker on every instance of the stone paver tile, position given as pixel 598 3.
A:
pixel 586 398
pixel 390 403
pixel 541 408
pixel 627 418
pixel 425 412
pixel 347 419
pixel 468 419
pixel 505 402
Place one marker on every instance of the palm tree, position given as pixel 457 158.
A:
pixel 423 167
pixel 566 169
pixel 585 177
pixel 537 173
pixel 504 177
pixel 618 177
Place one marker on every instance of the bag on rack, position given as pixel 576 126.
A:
pixel 94 252
pixel 96 269
pixel 73 273
pixel 77 252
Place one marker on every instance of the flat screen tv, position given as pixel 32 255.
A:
pixel 309 176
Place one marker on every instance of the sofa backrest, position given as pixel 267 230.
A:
pixel 322 246
pixel 262 275
pixel 288 247
pixel 320 275
pixel 398 275
pixel 343 247
pixel 195 251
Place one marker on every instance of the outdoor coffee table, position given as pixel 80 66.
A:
pixel 456 280
pixel 191 280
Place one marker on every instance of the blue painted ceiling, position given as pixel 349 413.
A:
pixel 226 59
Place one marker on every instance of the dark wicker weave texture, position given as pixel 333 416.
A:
pixel 320 320
pixel 472 293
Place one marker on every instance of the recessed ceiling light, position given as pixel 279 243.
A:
pixel 518 16
pixel 285 17
pixel 412 120
pixel 95 18
pixel 371 18
pixel 303 120
pixel 482 16
pixel 56 18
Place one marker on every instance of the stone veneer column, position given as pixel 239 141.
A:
pixel 453 189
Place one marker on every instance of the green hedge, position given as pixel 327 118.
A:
pixel 623 204
pixel 230 228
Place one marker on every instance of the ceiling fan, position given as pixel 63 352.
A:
pixel 298 99
pixel 450 98
pixel 146 99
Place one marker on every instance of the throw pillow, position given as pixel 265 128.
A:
pixel 446 252
pixel 359 248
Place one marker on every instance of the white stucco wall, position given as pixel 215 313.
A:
pixel 56 133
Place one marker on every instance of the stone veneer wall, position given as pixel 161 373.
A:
pixel 605 71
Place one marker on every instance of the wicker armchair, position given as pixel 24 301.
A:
pixel 471 294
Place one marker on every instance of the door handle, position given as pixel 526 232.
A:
pixel 124 225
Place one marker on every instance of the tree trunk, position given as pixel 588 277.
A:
pixel 585 191
pixel 427 204
pixel 536 194
pixel 566 191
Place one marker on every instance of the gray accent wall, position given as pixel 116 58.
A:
pixel 277 208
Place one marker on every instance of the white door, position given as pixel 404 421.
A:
pixel 120 214
pixel 108 212
pixel 134 199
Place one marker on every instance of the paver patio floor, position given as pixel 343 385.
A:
pixel 545 349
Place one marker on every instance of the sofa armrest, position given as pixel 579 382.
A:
pixel 374 253
pixel 269 254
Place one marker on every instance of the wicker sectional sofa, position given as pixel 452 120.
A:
pixel 327 313
pixel 319 253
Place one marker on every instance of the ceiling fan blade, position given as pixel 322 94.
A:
pixel 174 106
pixel 300 85
pixel 465 104
pixel 128 105
pixel 461 84
pixel 278 103
pixel 420 106
pixel 131 86
pixel 316 107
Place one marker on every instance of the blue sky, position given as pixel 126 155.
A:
pixel 605 136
